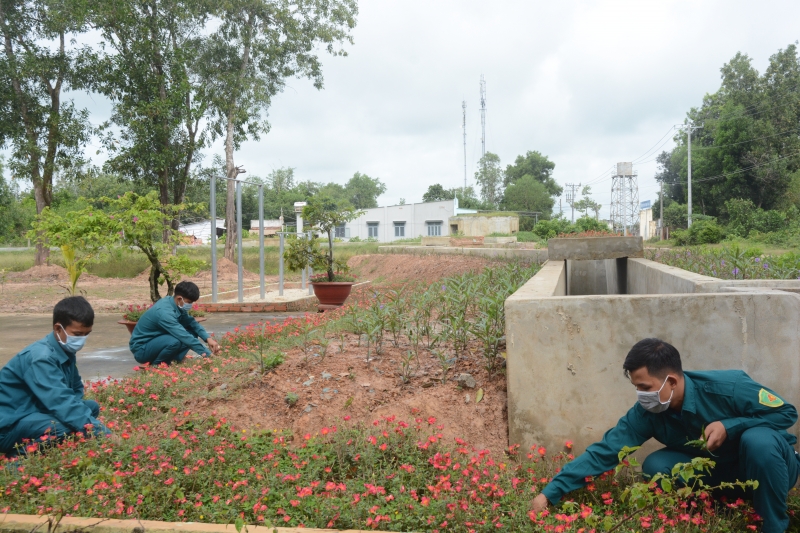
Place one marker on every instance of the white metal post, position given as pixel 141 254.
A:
pixel 239 238
pixel 261 239
pixel 213 207
pixel 281 236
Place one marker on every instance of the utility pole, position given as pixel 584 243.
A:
pixel 661 214
pixel 570 188
pixel 689 128
pixel 483 116
pixel 464 129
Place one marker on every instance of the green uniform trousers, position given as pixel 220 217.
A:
pixel 162 349
pixel 34 426
pixel 764 456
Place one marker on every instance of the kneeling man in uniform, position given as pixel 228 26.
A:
pixel 745 428
pixel 166 332
pixel 41 391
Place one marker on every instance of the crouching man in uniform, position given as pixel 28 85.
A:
pixel 745 427
pixel 41 391
pixel 166 332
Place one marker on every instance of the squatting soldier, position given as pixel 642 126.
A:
pixel 745 428
pixel 166 332
pixel 41 391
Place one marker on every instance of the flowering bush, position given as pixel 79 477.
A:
pixel 135 312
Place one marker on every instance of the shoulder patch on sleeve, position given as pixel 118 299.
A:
pixel 767 398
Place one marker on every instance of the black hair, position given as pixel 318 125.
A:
pixel 188 290
pixel 73 309
pixel 659 357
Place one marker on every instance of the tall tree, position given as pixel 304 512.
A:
pixel 587 203
pixel 257 45
pixel 362 191
pixel 437 193
pixel 536 165
pixel 145 69
pixel 528 194
pixel 490 177
pixel 45 133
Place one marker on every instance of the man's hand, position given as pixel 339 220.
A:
pixel 539 503
pixel 214 345
pixel 715 435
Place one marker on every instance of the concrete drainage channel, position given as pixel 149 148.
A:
pixel 12 523
pixel 570 327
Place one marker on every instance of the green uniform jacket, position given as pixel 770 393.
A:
pixel 166 318
pixel 727 396
pixel 43 378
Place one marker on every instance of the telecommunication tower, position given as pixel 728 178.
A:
pixel 464 129
pixel 483 116
pixel 625 198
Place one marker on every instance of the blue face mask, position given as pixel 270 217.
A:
pixel 186 306
pixel 74 343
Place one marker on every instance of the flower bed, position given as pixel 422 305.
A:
pixel 729 262
pixel 176 457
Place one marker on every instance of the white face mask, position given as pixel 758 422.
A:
pixel 185 306
pixel 74 343
pixel 651 401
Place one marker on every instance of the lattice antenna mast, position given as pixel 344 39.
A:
pixel 625 198
pixel 483 116
pixel 464 130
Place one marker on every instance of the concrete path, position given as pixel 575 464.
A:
pixel 106 352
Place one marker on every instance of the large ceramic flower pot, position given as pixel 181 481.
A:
pixel 130 325
pixel 332 292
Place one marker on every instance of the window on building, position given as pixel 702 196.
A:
pixel 435 229
pixel 372 229
pixel 399 229
pixel 339 231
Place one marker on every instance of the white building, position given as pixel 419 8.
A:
pixel 390 223
pixel 201 230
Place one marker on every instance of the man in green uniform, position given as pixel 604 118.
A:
pixel 166 332
pixel 41 391
pixel 745 428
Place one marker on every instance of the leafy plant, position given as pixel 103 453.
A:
pixel 325 214
pixel 291 398
pixel 135 312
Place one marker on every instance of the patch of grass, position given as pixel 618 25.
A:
pixel 17 261
pixel 527 236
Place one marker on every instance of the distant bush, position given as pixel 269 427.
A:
pixel 705 231
pixel 527 236
pixel 354 239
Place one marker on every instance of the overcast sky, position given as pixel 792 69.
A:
pixel 586 83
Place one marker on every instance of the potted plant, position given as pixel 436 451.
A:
pixel 333 286
pixel 135 312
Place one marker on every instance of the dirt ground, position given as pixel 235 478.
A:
pixel 37 289
pixel 344 383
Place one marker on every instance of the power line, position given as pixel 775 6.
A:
pixel 651 149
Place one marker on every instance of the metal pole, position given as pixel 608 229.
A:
pixel 213 206
pixel 280 265
pixel 261 239
pixel 689 218
pixel 661 214
pixel 239 238
pixel 310 270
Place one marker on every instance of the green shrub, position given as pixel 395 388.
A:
pixel 587 223
pixel 355 239
pixel 527 236
pixel 705 231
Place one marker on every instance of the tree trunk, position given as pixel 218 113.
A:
pixel 155 272
pixel 230 206
pixel 42 196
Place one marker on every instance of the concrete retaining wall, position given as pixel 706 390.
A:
pixel 565 354
pixel 530 256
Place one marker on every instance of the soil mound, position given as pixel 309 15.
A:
pixel 41 273
pixel 392 267
pixel 226 271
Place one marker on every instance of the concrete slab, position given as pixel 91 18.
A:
pixel 106 353
pixel 591 248
pixel 16 523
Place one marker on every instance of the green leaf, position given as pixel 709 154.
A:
pixel 666 485
pixel 239 524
